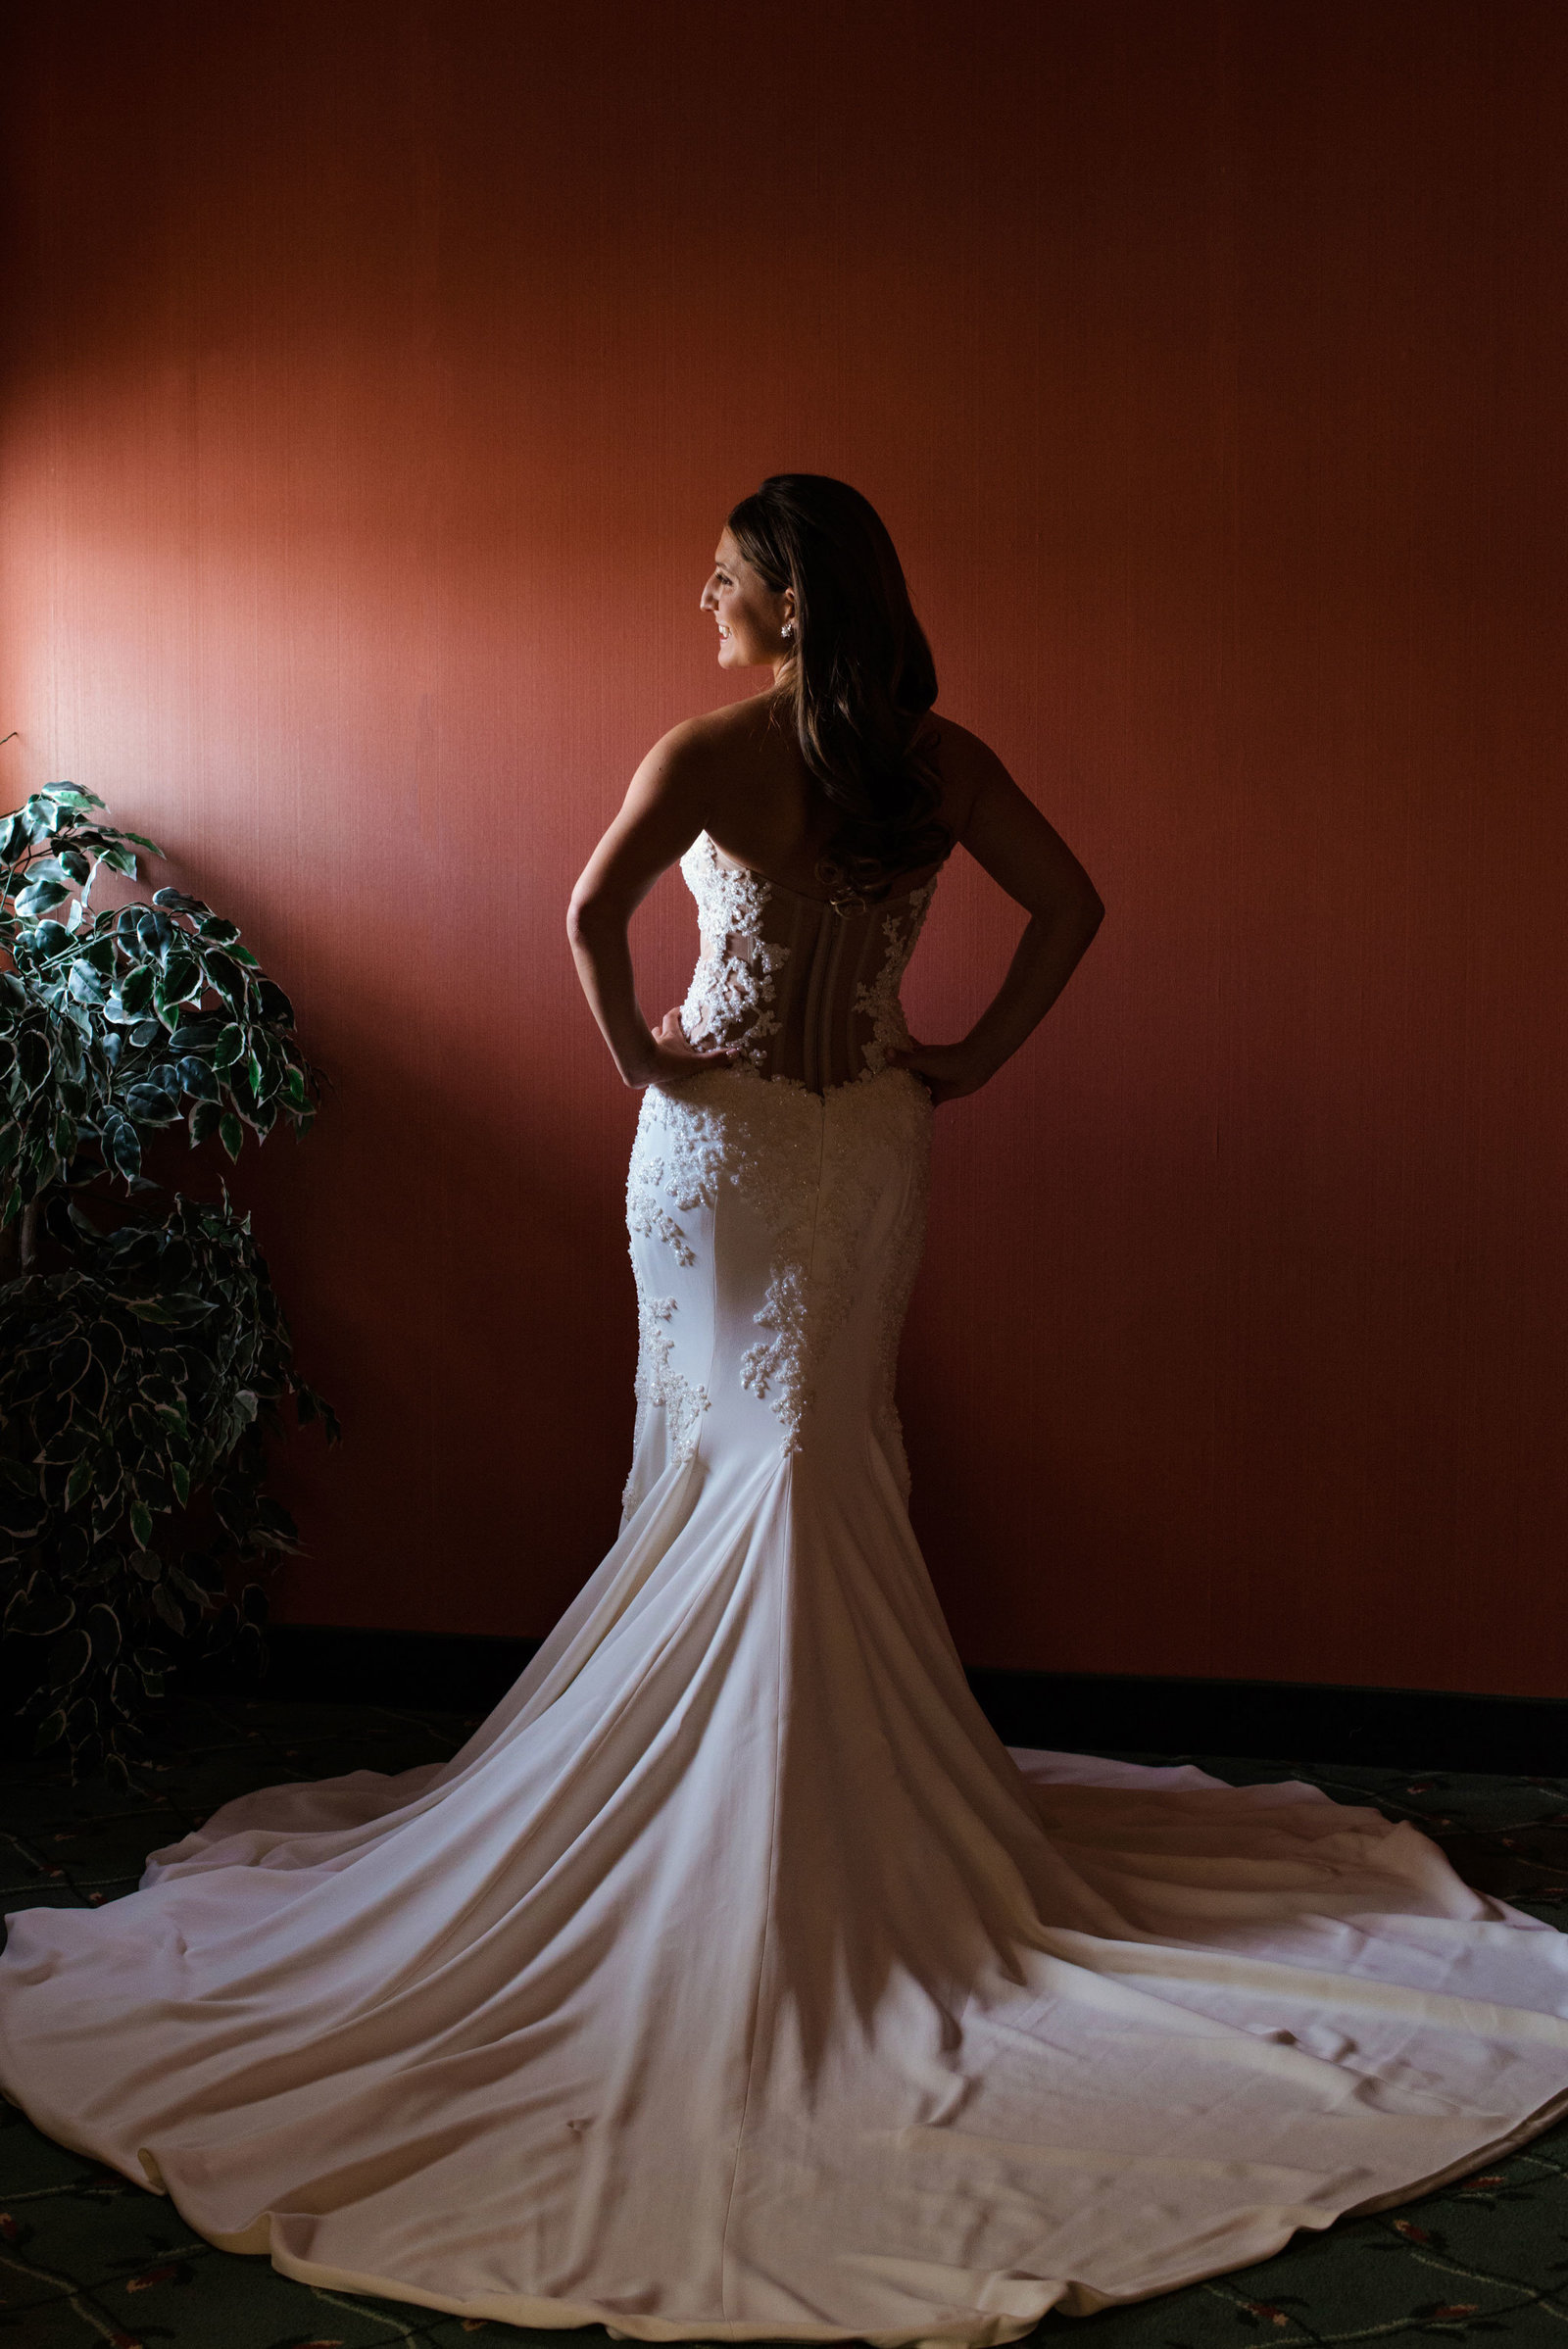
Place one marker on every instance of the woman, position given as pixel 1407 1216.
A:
pixel 733 1982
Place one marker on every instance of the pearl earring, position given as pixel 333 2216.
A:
pixel 788 628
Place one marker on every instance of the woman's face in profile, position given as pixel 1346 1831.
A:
pixel 750 615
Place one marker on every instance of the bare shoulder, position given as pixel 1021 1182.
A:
pixel 732 723
pixel 682 750
pixel 699 749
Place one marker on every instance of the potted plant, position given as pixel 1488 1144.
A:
pixel 143 1365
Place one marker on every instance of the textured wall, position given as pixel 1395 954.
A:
pixel 378 376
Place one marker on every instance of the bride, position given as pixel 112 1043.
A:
pixel 733 1980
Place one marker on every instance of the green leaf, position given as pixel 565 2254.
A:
pixel 231 1133
pixel 136 988
pixel 204 1122
pixel 143 1423
pixel 124 1146
pixel 141 1523
pixel 151 1664
pixel 196 1035
pixel 168 1606
pixel 103 1626
pixel 150 1105
pixel 79 1483
pixel 182 978
pixel 225 975
pixel 87 984
pixel 41 1609
pixel 170 1312
pixel 50 1731
pixel 40 897
pixel 174 900
pixel 180 1478
pixel 229 1048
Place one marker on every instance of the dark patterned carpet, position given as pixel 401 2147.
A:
pixel 86 2257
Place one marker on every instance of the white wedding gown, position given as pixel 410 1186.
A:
pixel 733 1980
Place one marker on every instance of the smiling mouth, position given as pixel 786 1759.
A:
pixel 723 631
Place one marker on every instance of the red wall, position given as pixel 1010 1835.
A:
pixel 379 375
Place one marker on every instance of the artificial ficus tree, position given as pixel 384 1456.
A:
pixel 140 1379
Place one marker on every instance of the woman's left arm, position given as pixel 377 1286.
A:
pixel 1006 833
pixel 663 810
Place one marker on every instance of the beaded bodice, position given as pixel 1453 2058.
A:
pixel 800 988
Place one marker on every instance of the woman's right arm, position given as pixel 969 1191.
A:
pixel 1006 833
pixel 663 810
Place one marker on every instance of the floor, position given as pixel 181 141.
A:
pixel 86 2256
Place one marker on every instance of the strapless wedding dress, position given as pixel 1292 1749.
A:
pixel 733 1980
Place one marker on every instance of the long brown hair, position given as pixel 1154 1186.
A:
pixel 860 680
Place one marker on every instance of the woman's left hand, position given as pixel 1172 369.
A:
pixel 947 1071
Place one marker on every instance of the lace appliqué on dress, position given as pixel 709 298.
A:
pixel 879 1001
pixel 733 987
pixel 661 1386
pixel 813 1167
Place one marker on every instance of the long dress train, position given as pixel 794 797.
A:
pixel 733 1980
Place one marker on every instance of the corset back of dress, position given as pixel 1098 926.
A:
pixel 800 990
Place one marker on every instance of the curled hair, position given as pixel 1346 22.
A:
pixel 860 678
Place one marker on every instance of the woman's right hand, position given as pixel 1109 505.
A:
pixel 672 1058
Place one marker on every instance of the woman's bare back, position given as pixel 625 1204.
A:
pixel 766 811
